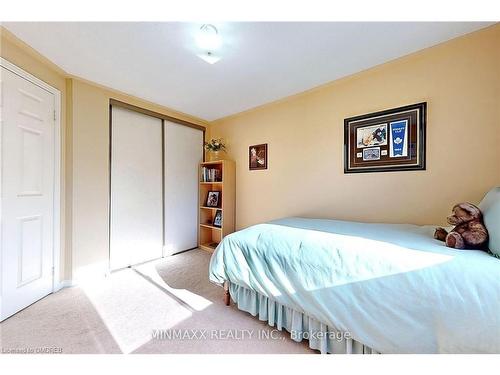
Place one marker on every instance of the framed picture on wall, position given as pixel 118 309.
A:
pixel 391 140
pixel 257 157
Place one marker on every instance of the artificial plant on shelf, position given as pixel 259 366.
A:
pixel 214 148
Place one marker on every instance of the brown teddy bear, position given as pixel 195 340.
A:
pixel 469 231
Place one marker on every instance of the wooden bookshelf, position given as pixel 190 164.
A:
pixel 209 236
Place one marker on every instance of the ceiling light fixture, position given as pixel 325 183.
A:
pixel 209 40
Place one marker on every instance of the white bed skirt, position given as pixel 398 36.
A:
pixel 300 326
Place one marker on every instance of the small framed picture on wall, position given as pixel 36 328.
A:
pixel 213 198
pixel 257 157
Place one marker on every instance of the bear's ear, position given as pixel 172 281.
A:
pixel 471 209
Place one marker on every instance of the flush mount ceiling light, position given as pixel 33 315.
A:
pixel 209 40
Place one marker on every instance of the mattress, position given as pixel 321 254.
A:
pixel 391 287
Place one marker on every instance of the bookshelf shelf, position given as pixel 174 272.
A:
pixel 216 176
pixel 210 226
pixel 210 247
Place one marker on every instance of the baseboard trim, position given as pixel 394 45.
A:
pixel 64 284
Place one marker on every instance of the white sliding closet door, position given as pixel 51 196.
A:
pixel 136 222
pixel 183 153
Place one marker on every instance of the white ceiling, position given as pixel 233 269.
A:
pixel 261 62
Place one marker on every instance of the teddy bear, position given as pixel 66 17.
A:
pixel 469 231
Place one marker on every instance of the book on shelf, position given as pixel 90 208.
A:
pixel 210 174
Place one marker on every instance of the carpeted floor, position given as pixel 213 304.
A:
pixel 130 310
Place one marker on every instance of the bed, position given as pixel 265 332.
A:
pixel 353 287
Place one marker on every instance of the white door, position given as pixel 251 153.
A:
pixel 183 154
pixel 27 190
pixel 136 223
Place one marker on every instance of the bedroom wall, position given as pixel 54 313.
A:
pixel 85 167
pixel 90 193
pixel 460 80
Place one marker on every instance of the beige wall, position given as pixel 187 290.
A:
pixel 90 128
pixel 85 167
pixel 460 80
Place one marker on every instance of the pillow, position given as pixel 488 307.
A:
pixel 490 206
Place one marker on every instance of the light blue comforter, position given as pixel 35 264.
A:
pixel 392 287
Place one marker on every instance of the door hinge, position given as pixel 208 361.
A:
pixel 54 115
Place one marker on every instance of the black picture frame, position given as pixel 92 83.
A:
pixel 260 155
pixel 361 156
pixel 217 222
pixel 213 199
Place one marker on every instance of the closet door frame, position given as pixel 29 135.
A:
pixel 130 107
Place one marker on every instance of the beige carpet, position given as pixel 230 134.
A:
pixel 122 313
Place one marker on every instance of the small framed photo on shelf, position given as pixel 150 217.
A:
pixel 391 140
pixel 218 219
pixel 257 157
pixel 213 198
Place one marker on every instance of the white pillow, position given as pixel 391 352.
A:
pixel 490 207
